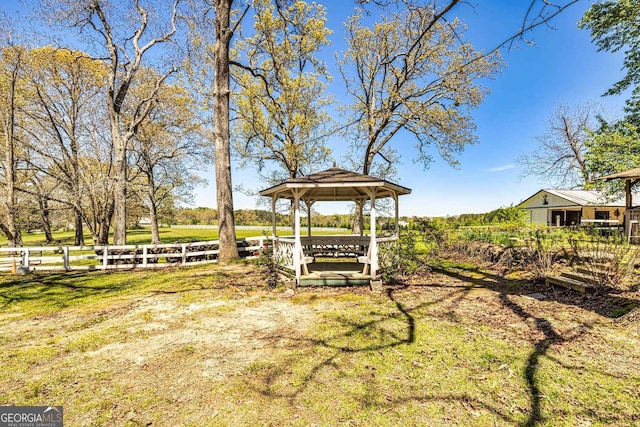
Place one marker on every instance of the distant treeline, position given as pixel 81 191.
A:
pixel 209 216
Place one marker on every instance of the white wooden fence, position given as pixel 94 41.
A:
pixel 68 258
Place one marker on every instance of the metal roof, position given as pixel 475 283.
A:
pixel 582 197
pixel 335 184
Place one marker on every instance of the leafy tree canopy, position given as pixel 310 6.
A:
pixel 615 26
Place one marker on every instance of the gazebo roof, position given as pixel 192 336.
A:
pixel 335 184
pixel 629 174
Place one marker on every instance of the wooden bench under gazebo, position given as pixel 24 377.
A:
pixel 298 254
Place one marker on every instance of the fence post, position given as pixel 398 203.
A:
pixel 65 257
pixel 25 259
pixel 105 251
pixel 145 252
pixel 184 254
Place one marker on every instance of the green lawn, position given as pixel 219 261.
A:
pixel 143 236
pixel 212 346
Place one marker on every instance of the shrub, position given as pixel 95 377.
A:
pixel 545 249
pixel 269 267
pixel 399 259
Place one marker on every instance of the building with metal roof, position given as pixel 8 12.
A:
pixel 573 207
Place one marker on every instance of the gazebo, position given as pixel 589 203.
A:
pixel 335 184
pixel 631 216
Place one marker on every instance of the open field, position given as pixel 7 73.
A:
pixel 143 235
pixel 212 346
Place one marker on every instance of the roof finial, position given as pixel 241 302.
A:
pixel 335 164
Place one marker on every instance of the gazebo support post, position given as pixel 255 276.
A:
pixel 397 227
pixel 373 243
pixel 360 208
pixel 298 253
pixel 273 216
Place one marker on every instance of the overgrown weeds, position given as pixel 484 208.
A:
pixel 609 262
pixel 269 267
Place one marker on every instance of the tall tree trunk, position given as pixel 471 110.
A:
pixel 79 236
pixel 14 236
pixel 12 231
pixel 104 223
pixel 224 190
pixel 46 220
pixel 120 190
pixel 103 232
pixel 153 211
pixel 153 217
pixel 356 223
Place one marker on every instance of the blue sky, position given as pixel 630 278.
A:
pixel 562 67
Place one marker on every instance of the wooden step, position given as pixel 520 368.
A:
pixel 576 285
pixel 586 277
pixel 592 272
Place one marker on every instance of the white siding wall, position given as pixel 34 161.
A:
pixel 538 216
pixel 539 211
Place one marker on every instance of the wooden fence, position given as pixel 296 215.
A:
pixel 68 258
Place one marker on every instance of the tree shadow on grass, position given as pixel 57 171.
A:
pixel 379 335
pixel 541 347
pixel 55 290
pixel 383 334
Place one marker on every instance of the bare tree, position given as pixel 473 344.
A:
pixel 125 36
pixel 12 65
pixel 559 158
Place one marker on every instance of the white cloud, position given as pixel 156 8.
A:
pixel 501 168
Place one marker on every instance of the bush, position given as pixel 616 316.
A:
pixel 399 259
pixel 545 249
pixel 269 267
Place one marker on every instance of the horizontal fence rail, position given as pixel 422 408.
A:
pixel 254 227
pixel 105 257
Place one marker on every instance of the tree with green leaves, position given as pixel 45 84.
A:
pixel 614 27
pixel 410 73
pixel 165 151
pixel 611 149
pixel 65 87
pixel 279 113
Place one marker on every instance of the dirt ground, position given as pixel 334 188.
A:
pixel 149 354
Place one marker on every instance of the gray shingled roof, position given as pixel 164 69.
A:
pixel 335 184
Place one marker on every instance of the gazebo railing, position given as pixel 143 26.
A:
pixel 341 245
pixel 283 250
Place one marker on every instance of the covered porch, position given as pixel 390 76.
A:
pixel 631 178
pixel 334 259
